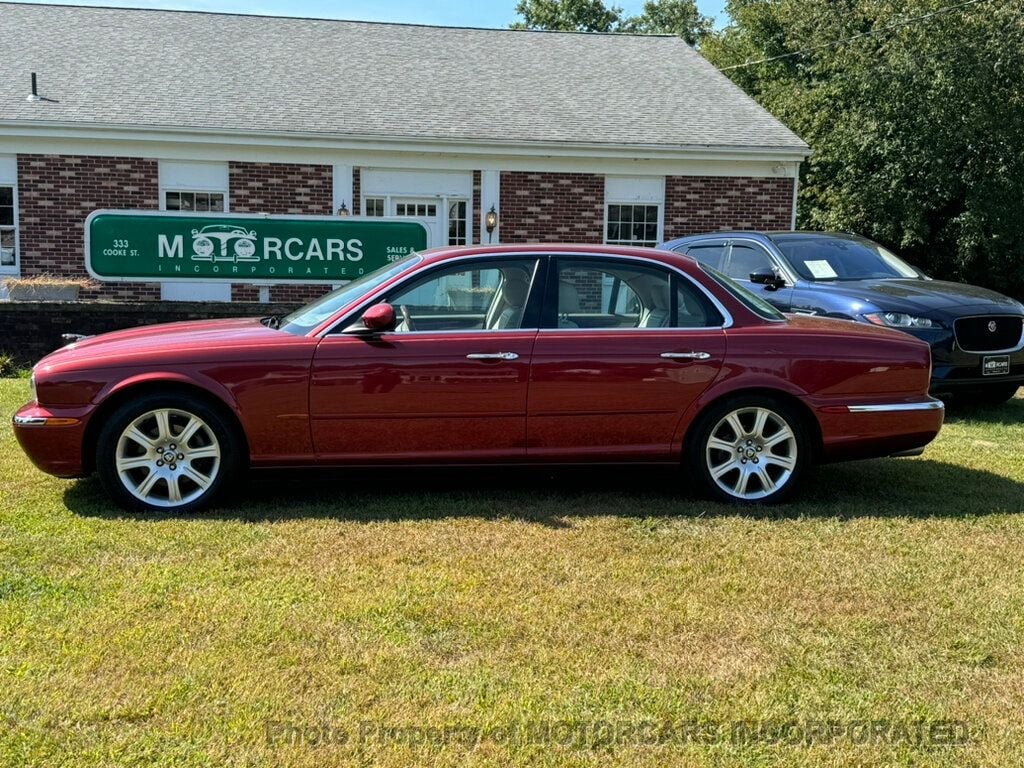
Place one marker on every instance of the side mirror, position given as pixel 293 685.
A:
pixel 769 278
pixel 376 319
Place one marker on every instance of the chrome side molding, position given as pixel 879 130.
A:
pixel 930 405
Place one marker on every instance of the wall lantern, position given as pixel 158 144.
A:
pixel 491 222
pixel 343 209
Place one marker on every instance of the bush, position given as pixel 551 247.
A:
pixel 8 369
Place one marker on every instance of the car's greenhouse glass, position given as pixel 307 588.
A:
pixel 754 303
pixel 303 320
pixel 819 258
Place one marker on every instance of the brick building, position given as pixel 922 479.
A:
pixel 569 137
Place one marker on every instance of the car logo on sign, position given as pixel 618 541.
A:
pixel 992 326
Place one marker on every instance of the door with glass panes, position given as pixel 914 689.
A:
pixel 447 218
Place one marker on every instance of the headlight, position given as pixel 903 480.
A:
pixel 32 387
pixel 900 320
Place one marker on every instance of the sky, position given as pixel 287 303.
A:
pixel 466 13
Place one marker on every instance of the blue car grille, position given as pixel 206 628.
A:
pixel 988 333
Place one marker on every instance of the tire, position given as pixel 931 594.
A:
pixel 990 396
pixel 729 444
pixel 184 478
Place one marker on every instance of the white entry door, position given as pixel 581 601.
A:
pixel 429 210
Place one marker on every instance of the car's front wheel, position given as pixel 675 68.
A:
pixel 749 450
pixel 167 452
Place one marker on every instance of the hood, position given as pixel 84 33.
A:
pixel 924 296
pixel 192 339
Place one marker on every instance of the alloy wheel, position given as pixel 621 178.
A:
pixel 751 453
pixel 167 457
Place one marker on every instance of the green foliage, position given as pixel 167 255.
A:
pixel 7 366
pixel 671 17
pixel 917 127
pixel 659 17
pixel 568 15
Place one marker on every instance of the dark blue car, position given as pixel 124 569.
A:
pixel 976 335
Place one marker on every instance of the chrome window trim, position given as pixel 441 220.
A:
pixel 1008 350
pixel 538 255
pixel 931 405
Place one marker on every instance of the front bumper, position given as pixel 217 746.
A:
pixel 52 438
pixel 954 370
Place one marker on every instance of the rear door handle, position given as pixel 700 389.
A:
pixel 686 355
pixel 492 356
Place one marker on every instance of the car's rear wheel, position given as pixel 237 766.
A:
pixel 749 450
pixel 167 452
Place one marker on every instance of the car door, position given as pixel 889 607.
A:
pixel 746 256
pixel 448 384
pixel 626 345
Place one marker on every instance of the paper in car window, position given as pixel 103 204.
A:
pixel 820 269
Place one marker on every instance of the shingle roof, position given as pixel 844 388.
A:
pixel 106 66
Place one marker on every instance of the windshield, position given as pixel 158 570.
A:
pixel 826 258
pixel 303 320
pixel 754 303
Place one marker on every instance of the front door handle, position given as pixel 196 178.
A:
pixel 492 356
pixel 686 355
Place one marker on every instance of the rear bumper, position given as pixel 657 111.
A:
pixel 875 428
pixel 52 439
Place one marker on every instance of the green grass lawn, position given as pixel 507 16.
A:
pixel 891 591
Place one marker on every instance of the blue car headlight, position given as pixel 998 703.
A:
pixel 901 320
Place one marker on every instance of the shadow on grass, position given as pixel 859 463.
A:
pixel 1007 414
pixel 919 488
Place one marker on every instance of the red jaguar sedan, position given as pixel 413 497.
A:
pixel 534 354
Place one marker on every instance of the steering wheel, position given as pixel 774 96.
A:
pixel 406 318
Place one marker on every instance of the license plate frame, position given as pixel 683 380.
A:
pixel 995 365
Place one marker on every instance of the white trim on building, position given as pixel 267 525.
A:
pixel 637 191
pixel 9 178
pixel 177 176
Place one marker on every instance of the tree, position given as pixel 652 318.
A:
pixel 659 17
pixel 916 124
pixel 671 17
pixel 568 16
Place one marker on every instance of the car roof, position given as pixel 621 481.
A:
pixel 762 235
pixel 562 249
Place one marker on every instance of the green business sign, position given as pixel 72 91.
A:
pixel 251 248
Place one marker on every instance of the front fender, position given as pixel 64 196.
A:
pixel 195 379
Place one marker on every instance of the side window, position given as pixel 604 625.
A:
pixel 608 294
pixel 711 255
pixel 745 259
pixel 489 295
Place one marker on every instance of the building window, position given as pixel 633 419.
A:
pixel 632 224
pixel 373 206
pixel 186 200
pixel 416 209
pixel 8 236
pixel 457 222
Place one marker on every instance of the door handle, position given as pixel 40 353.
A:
pixel 686 355
pixel 492 356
